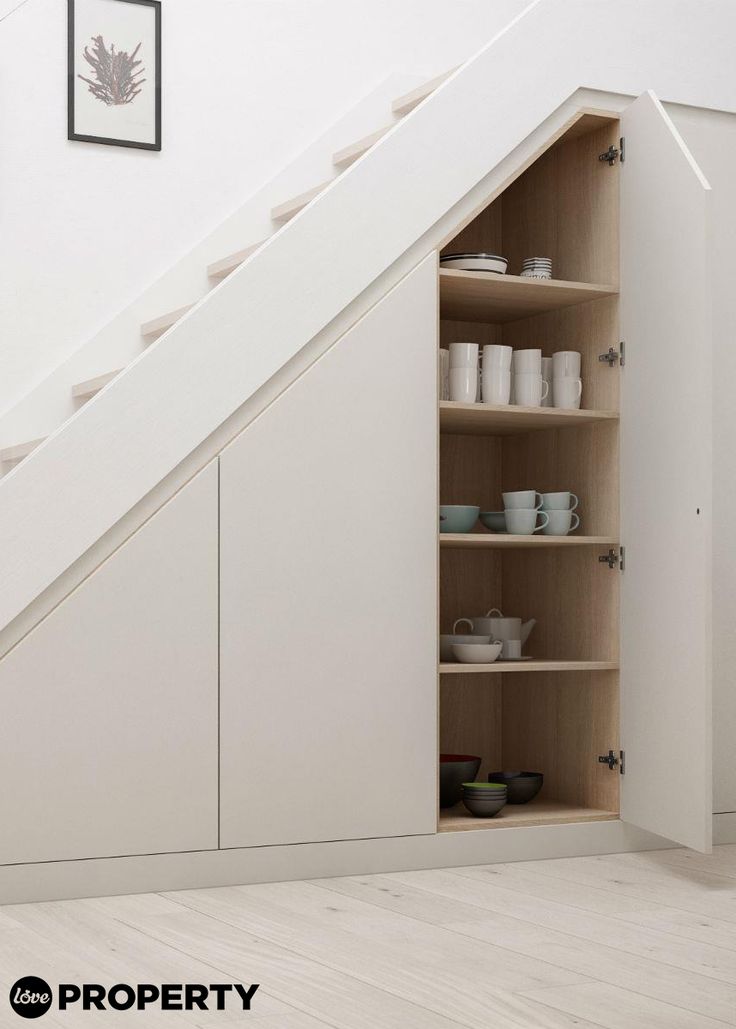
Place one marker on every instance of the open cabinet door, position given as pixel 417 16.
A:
pixel 665 482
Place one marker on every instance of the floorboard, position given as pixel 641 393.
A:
pixel 619 1009
pixel 702 958
pixel 632 941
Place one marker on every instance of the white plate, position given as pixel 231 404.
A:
pixel 468 263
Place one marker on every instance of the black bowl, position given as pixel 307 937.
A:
pixel 482 808
pixel 455 769
pixel 522 786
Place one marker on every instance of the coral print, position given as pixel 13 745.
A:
pixel 117 75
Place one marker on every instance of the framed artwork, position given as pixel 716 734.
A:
pixel 114 72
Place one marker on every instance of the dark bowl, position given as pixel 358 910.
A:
pixel 455 769
pixel 522 786
pixel 482 807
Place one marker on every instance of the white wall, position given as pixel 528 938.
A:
pixel 711 136
pixel 247 85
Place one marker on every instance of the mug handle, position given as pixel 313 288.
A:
pixel 544 515
pixel 493 611
pixel 576 502
pixel 459 621
pixel 577 523
pixel 541 500
pixel 545 393
pixel 580 388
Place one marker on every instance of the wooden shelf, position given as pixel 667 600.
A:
pixel 536 812
pixel 485 297
pixel 504 540
pixel 546 665
pixel 509 420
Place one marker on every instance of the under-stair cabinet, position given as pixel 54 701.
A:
pixel 251 686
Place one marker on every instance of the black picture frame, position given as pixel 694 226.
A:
pixel 71 73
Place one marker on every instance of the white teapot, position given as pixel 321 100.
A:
pixel 494 624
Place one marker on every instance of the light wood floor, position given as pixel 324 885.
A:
pixel 629 941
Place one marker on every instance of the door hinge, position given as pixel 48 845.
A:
pixel 614 153
pixel 614 560
pixel 614 762
pixel 613 356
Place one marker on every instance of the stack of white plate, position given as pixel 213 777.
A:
pixel 537 268
pixel 475 262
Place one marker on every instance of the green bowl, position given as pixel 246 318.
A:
pixel 488 787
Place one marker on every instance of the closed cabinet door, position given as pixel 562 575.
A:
pixel 328 571
pixel 108 733
pixel 666 429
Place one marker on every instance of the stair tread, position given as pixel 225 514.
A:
pixel 291 207
pixel 351 153
pixel 220 269
pixel 89 387
pixel 164 321
pixel 407 102
pixel 20 450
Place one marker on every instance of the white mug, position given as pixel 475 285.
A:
pixel 566 364
pixel 464 384
pixel 496 385
pixel 530 390
pixel 523 522
pixel 566 393
pixel 496 356
pixel 547 376
pixel 562 501
pixel 559 523
pixel 463 355
pixel 511 650
pixel 528 361
pixel 522 498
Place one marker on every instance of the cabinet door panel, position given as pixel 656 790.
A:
pixel 329 592
pixel 108 734
pixel 666 482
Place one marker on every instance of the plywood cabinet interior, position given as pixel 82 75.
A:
pixel 108 737
pixel 566 206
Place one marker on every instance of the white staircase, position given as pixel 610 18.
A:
pixel 282 213
pixel 77 483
